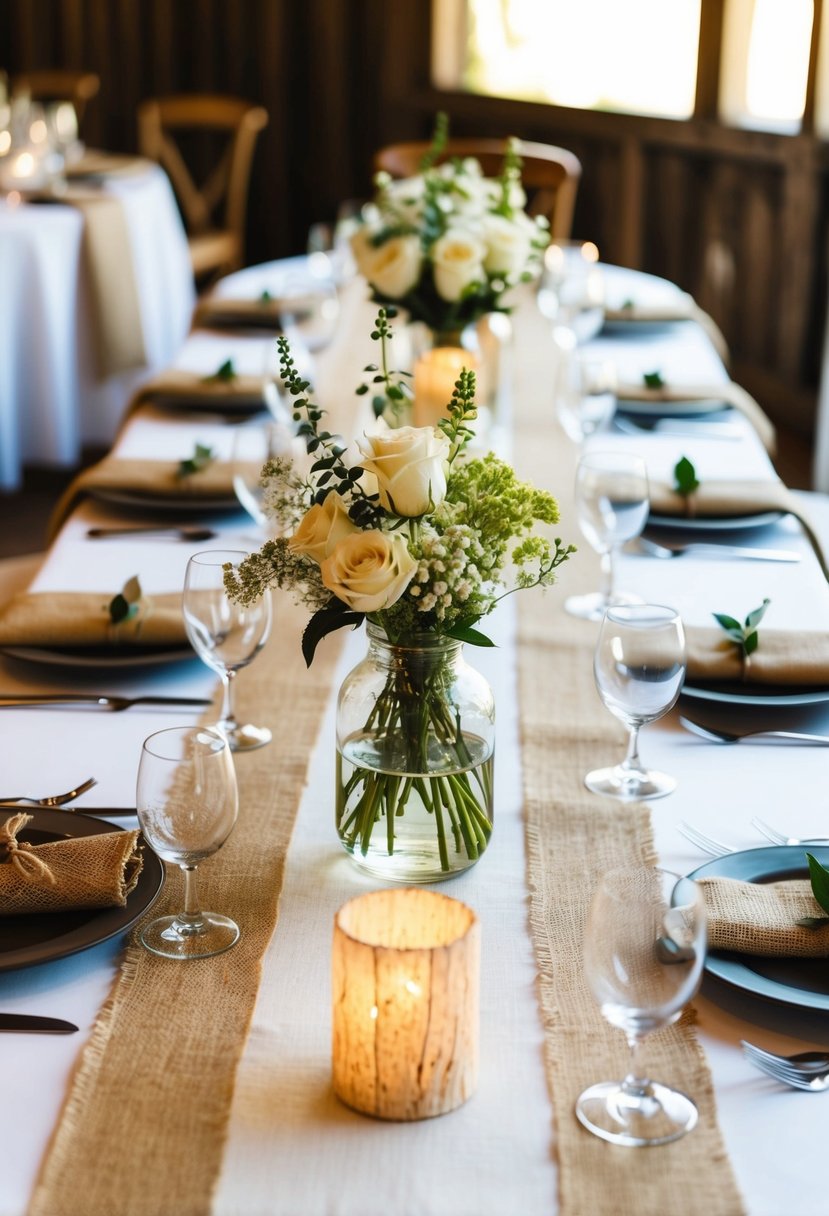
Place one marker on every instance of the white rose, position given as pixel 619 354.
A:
pixel 404 198
pixel 321 528
pixel 393 268
pixel 507 246
pixel 369 571
pixel 458 260
pixel 362 248
pixel 410 466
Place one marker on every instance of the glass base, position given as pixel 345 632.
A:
pixel 246 738
pixel 618 782
pixel 657 1115
pixel 174 938
pixel 592 607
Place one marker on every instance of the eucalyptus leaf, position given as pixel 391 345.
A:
pixel 819 876
pixel 756 615
pixel 728 623
pixel 653 380
pixel 465 633
pixel 812 922
pixel 325 621
pixel 685 477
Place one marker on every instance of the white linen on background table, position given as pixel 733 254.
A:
pixel 292 1148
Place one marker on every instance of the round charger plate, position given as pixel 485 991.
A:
pixel 56 657
pixel 730 523
pixel 148 502
pixel 44 936
pixel 767 695
pixel 671 409
pixel 802 982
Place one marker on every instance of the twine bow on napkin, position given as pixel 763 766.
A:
pixel 96 871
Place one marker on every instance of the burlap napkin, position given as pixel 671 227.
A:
pixel 730 392
pixel 81 619
pixel 225 313
pixel 182 389
pixel 780 658
pixel 153 480
pixel 84 872
pixel 761 918
pixel 726 499
pixel 680 308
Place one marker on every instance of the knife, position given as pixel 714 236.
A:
pixel 31 1023
pixel 8 700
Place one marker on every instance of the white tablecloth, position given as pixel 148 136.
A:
pixel 292 1147
pixel 52 400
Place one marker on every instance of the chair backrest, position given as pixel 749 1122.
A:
pixel 550 175
pixel 161 120
pixel 59 85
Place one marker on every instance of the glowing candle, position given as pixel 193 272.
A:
pixel 405 1003
pixel 435 374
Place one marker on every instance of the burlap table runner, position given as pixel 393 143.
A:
pixel 572 836
pixel 143 1127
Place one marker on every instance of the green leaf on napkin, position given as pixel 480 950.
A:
pixel 745 636
pixel 226 372
pixel 628 305
pixel 124 605
pixel 820 886
pixel 685 477
pixel 201 458
pixel 653 380
pixel 265 298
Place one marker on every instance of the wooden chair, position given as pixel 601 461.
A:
pixel 58 85
pixel 215 248
pixel 550 175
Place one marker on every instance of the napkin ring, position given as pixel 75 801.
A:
pixel 29 866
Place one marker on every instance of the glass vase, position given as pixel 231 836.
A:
pixel 415 743
pixel 483 347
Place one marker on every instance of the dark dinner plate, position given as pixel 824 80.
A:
pixel 41 937
pixel 802 982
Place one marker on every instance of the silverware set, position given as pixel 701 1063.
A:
pixel 721 736
pixel 717 848
pixel 646 547
pixel 113 703
pixel 808 1070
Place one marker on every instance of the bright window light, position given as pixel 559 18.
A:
pixel 636 56
pixel 766 63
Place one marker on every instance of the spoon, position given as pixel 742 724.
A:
pixel 722 736
pixel 185 532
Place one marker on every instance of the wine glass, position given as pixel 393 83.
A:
pixel 571 290
pixel 644 950
pixel 612 504
pixel 309 305
pixel 225 635
pixel 252 447
pixel 586 399
pixel 639 666
pixel 187 804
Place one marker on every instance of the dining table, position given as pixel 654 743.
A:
pixel 56 394
pixel 286 1146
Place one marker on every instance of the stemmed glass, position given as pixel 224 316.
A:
pixel 571 292
pixel 225 635
pixel 187 804
pixel 612 504
pixel 586 399
pixel 310 306
pixel 252 447
pixel 644 950
pixel 639 666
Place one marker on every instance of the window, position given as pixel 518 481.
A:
pixel 633 56
pixel 765 63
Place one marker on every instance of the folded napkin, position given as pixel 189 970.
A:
pixel 84 872
pixel 723 499
pixel 681 308
pixel 780 658
pixel 81 619
pixel 227 312
pixel 178 388
pixel 730 392
pixel 761 918
pixel 153 480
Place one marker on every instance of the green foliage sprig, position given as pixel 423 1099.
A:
pixel 227 371
pixel 125 605
pixel 462 411
pixel 440 138
pixel 653 379
pixel 819 877
pixel 397 392
pixel 685 477
pixel 203 455
pixel 745 636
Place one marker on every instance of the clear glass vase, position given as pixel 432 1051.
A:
pixel 482 346
pixel 415 743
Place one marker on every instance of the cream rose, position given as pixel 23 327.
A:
pixel 369 571
pixel 458 260
pixel 321 529
pixel 410 466
pixel 507 246
pixel 392 268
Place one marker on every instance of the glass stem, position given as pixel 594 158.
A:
pixel 607 580
pixel 228 722
pixel 191 917
pixel 631 762
pixel 635 1085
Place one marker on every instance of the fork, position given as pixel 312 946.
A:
pixel 777 837
pixel 715 848
pixel 52 800
pixel 116 704
pixel 722 736
pixel 789 1070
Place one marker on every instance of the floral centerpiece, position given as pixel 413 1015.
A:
pixel 415 538
pixel 448 243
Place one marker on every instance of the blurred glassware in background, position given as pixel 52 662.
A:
pixel 309 307
pixel 585 394
pixel 571 289
pixel 253 445
pixel 334 240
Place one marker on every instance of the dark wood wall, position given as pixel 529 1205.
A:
pixel 737 218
